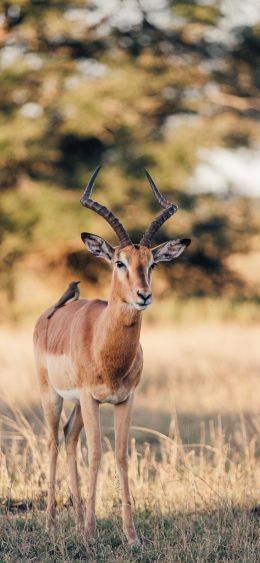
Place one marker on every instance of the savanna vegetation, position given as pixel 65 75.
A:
pixel 194 455
pixel 83 85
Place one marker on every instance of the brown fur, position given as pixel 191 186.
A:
pixel 90 349
pixel 100 340
pixel 101 337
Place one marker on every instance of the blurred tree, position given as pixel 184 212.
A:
pixel 16 232
pixel 81 85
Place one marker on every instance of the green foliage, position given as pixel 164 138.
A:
pixel 74 95
pixel 206 14
pixel 17 222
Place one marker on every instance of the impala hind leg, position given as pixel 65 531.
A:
pixel 123 415
pixel 90 414
pixel 52 406
pixel 72 430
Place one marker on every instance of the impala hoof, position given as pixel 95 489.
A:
pixel 134 542
pixel 90 532
pixel 79 520
pixel 50 524
pixel 79 525
pixel 132 538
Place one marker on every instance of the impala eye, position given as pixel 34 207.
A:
pixel 120 265
pixel 152 266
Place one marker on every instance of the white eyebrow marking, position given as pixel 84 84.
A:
pixel 122 258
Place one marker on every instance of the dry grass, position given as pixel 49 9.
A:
pixel 195 475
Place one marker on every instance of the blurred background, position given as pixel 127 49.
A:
pixel 171 86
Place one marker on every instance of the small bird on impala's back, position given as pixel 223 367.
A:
pixel 72 292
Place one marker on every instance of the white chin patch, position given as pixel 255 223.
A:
pixel 140 307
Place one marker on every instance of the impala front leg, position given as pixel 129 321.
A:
pixel 123 415
pixel 90 415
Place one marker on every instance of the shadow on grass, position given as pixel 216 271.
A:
pixel 222 534
pixel 148 423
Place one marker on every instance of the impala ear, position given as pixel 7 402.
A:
pixel 170 250
pixel 98 246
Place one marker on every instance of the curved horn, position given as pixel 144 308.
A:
pixel 86 200
pixel 170 209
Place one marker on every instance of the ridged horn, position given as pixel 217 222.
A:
pixel 169 210
pixel 86 200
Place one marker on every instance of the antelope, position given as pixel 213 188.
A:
pixel 89 352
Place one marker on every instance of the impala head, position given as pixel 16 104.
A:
pixel 132 263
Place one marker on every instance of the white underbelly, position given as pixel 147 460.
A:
pixel 69 394
pixel 62 375
pixel 102 397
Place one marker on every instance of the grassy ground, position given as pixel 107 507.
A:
pixel 221 535
pixel 194 455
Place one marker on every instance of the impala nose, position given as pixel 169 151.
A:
pixel 145 295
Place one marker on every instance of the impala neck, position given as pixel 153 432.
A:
pixel 121 313
pixel 119 335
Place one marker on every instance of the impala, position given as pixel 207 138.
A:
pixel 89 352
